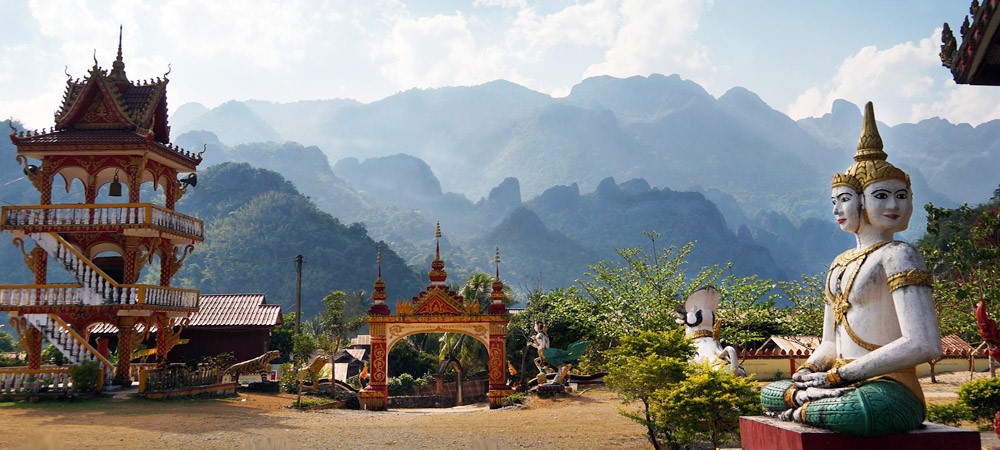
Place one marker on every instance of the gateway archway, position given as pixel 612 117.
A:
pixel 436 309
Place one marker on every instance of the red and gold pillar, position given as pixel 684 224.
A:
pixel 126 339
pixel 164 331
pixel 498 356
pixel 30 339
pixel 376 395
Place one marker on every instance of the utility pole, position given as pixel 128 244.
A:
pixel 298 294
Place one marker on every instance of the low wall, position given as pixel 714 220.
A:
pixel 221 389
pixel 419 401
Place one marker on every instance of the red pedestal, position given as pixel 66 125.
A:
pixel 765 433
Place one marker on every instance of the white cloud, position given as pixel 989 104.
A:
pixel 657 36
pixel 591 24
pixel 271 34
pixel 907 84
pixel 502 3
pixel 437 50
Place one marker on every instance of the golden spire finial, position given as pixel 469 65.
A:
pixel 496 259
pixel 870 164
pixel 437 241
pixel 378 260
pixel 870 142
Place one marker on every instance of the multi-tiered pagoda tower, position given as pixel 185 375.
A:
pixel 111 136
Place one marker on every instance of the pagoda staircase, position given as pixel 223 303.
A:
pixel 71 344
pixel 96 288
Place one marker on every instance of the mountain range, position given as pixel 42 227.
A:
pixel 556 183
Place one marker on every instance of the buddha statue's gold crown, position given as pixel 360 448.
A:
pixel 845 180
pixel 870 165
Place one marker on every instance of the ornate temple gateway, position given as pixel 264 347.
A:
pixel 436 310
pixel 112 132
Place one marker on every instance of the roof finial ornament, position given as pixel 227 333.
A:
pixel 437 241
pixel 168 72
pixel 496 259
pixel 10 123
pixel 120 27
pixel 66 71
pixel 870 142
pixel 95 58
pixel 204 148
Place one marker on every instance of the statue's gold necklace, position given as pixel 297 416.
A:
pixel 840 300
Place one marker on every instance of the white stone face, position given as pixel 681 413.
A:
pixel 846 208
pixel 888 205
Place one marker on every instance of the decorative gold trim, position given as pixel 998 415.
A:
pixel 840 301
pixel 912 277
pixel 802 412
pixel 833 377
pixel 700 334
pixel 789 396
pixel 810 366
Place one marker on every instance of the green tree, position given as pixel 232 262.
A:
pixel 471 354
pixel 750 314
pixel 640 292
pixel 337 323
pixel 681 403
pixel 8 343
pixel 405 357
pixel 706 405
pixel 303 347
pixel 281 338
pixel 642 365
pixel 962 247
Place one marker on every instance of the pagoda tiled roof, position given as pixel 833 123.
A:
pixel 222 311
pixel 88 136
pixel 219 310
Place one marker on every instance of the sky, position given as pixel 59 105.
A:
pixel 798 56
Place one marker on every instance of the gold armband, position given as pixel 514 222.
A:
pixel 789 396
pixel 833 377
pixel 700 334
pixel 809 366
pixel 912 277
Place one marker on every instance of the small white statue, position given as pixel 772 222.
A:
pixel 540 341
pixel 699 318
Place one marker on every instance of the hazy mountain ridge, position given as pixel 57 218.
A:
pixel 418 157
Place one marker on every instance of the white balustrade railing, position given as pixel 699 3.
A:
pixel 25 381
pixel 95 288
pixel 131 214
pixel 75 295
pixel 41 295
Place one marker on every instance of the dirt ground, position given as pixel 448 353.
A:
pixel 587 420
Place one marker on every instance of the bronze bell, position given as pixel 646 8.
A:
pixel 115 190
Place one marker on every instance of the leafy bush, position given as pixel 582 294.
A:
pixel 401 385
pixel 354 382
pixel 982 397
pixel 288 382
pixel 85 376
pixel 52 355
pixel 515 399
pixel 951 414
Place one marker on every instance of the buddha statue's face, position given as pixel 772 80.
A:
pixel 888 205
pixel 846 208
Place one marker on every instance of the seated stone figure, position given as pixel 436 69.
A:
pixel 879 320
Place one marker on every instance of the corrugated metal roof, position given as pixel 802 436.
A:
pixel 224 310
pixel 217 310
pixel 793 344
pixel 953 344
pixel 362 339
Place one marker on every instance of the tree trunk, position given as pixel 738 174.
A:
pixel 649 426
